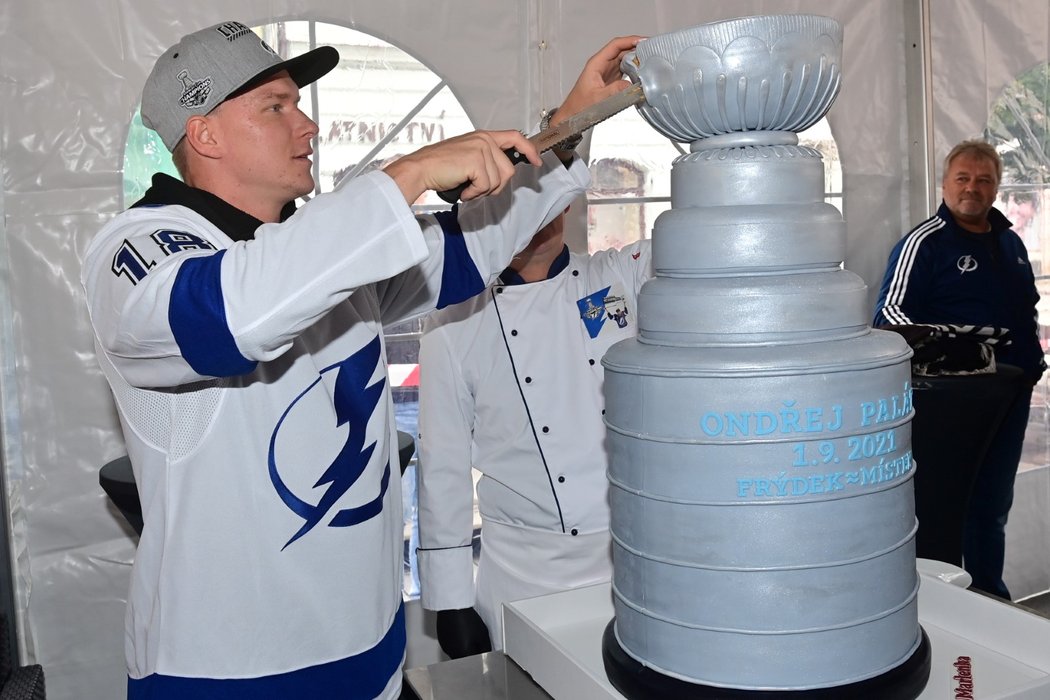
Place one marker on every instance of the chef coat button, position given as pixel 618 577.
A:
pixel 575 273
pixel 603 411
pixel 546 429
pixel 591 361
pixel 513 332
pixel 528 380
pixel 561 479
pixel 575 532
pixel 499 290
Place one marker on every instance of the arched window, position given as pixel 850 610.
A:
pixel 379 103
pixel 630 166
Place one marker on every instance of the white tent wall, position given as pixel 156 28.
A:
pixel 978 48
pixel 70 76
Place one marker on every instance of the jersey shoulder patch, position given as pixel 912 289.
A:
pixel 135 257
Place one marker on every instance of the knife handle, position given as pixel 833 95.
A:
pixel 452 195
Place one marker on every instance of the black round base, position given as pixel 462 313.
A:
pixel 636 682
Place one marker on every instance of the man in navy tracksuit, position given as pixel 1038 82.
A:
pixel 965 266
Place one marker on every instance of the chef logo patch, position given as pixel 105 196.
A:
pixel 616 309
pixel 599 307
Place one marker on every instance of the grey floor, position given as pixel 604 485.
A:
pixel 1039 604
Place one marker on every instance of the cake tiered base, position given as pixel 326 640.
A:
pixel 637 682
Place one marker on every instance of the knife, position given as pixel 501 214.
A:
pixel 574 125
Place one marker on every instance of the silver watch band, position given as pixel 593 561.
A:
pixel 568 144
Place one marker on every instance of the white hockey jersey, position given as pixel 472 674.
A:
pixel 250 379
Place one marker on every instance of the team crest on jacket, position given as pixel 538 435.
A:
pixel 355 402
pixel 966 263
pixel 597 308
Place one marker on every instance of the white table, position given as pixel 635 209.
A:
pixel 557 640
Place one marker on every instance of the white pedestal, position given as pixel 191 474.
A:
pixel 557 639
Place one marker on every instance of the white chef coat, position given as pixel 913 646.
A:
pixel 511 385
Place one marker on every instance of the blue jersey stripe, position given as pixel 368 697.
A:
pixel 197 317
pixel 460 279
pixel 359 677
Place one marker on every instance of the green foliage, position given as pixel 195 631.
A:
pixel 1019 130
pixel 144 155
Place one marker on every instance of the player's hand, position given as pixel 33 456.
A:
pixel 476 158
pixel 601 77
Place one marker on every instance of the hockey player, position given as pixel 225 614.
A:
pixel 242 340
pixel 511 386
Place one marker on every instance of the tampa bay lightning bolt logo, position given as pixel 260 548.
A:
pixel 966 263
pixel 355 402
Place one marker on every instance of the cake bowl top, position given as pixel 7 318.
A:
pixel 764 73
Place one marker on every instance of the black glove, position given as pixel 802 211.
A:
pixel 462 633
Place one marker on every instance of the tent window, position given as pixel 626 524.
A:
pixel 378 104
pixel 1017 127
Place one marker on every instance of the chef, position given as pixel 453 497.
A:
pixel 511 386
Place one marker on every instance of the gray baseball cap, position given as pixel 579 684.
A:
pixel 208 66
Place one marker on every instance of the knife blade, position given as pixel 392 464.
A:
pixel 574 125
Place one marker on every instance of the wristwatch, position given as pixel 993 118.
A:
pixel 568 144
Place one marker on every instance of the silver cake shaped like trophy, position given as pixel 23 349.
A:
pixel 759 431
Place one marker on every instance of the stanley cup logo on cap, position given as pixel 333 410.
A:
pixel 194 92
